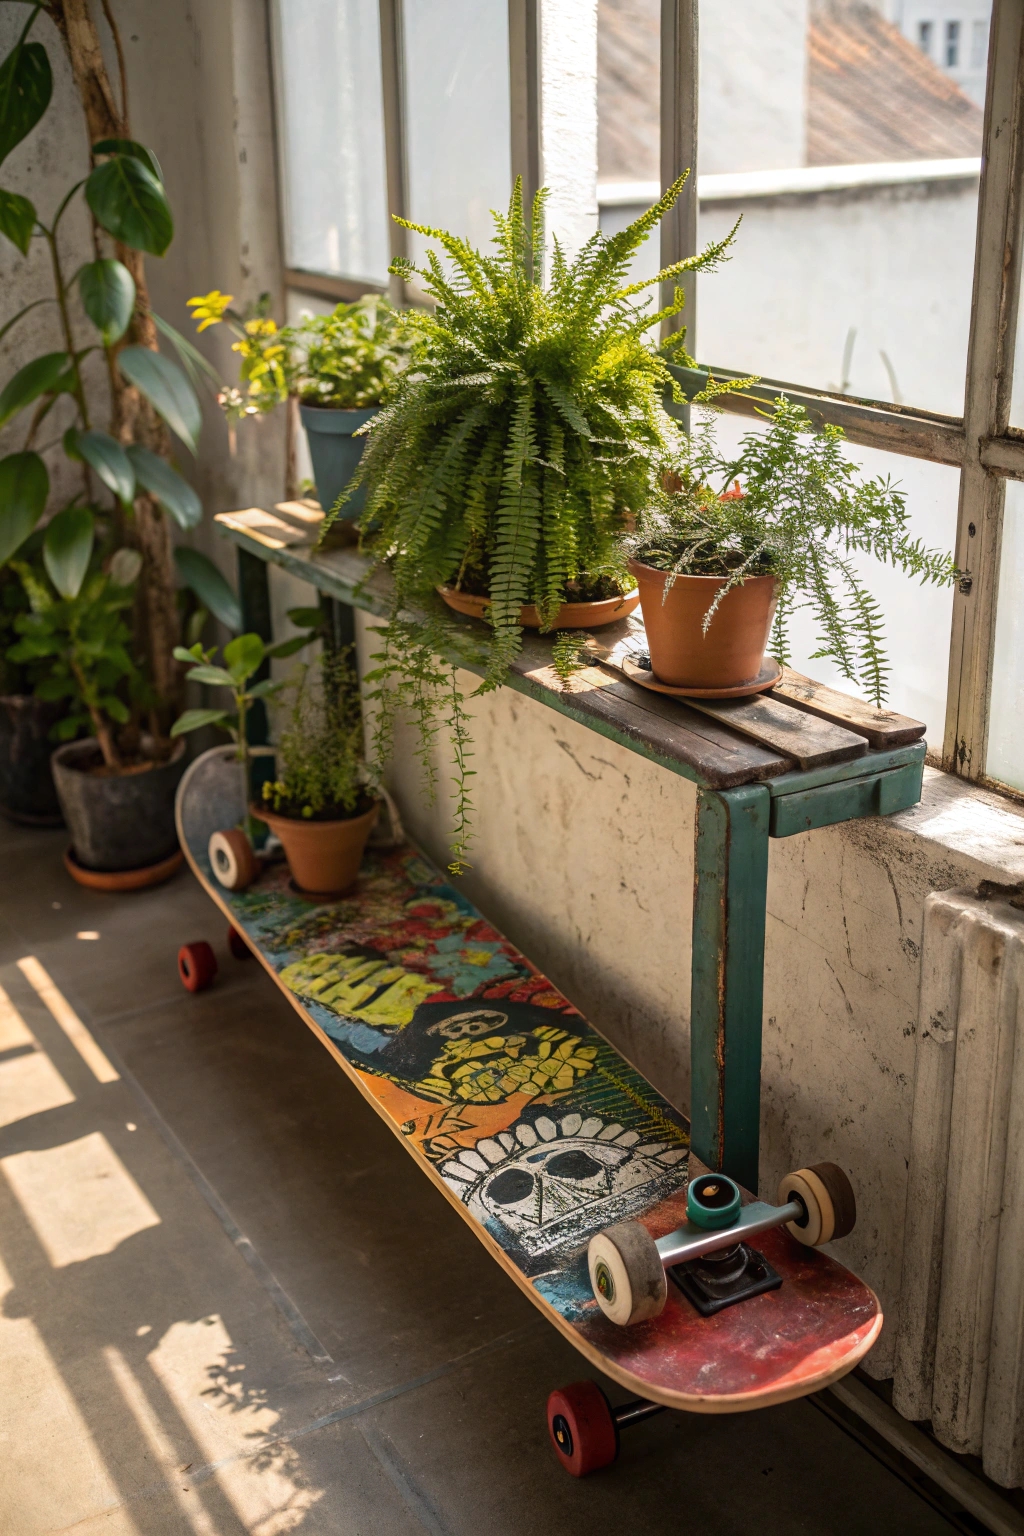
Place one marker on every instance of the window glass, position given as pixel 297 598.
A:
pixel 331 130
pixel 458 134
pixel 1006 716
pixel 847 137
pixel 917 618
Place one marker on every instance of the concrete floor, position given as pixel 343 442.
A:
pixel 230 1303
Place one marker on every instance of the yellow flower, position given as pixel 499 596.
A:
pixel 208 308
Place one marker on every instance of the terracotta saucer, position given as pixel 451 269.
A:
pixel 592 615
pixel 768 676
pixel 123 879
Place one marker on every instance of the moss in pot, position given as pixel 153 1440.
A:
pixel 322 806
pixel 729 549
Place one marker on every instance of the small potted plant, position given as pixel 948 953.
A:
pixel 515 450
pixel 728 549
pixel 322 805
pixel 116 786
pixel 338 367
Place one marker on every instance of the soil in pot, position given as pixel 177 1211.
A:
pixel 117 821
pixel 323 855
pixel 592 602
pixel 335 452
pixel 27 791
pixel 731 654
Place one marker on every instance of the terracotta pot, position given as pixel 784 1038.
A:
pixel 570 616
pixel 323 856
pixel 730 655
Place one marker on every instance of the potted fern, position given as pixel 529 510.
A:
pixel 515 450
pixel 728 549
pixel 336 367
pixel 321 806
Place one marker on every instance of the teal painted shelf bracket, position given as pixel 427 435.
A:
pixel 727 979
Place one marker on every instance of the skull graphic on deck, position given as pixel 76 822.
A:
pixel 549 1184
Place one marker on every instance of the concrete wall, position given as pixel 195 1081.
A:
pixel 584 856
pixel 753 78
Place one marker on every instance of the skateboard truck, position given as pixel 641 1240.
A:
pixel 709 1257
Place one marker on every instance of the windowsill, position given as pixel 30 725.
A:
pixel 971 822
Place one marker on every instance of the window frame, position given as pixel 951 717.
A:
pixel 981 443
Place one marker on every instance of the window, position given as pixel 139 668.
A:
pixel 979 44
pixel 924 36
pixel 952 44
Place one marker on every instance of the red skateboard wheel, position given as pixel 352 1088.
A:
pixel 582 1429
pixel 237 945
pixel 197 966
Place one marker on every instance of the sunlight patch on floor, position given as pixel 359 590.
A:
pixel 14 1032
pixel 42 984
pixel 30 1085
pixel 79 1198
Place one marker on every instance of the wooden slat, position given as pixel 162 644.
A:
pixel 270 531
pixel 305 513
pixel 881 727
pixel 778 726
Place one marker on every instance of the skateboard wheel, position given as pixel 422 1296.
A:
pixel 712 1201
pixel 197 966
pixel 237 945
pixel 828 1199
pixel 232 859
pixel 582 1429
pixel 626 1273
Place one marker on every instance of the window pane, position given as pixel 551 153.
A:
pixel 458 132
pixel 331 126
pixel 917 618
pixel 1006 719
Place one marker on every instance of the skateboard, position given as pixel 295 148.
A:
pixel 569 1167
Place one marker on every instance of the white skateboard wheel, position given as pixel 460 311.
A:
pixel 626 1273
pixel 232 859
pixel 828 1199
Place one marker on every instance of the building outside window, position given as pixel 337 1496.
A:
pixel 952 44
pixel 924 36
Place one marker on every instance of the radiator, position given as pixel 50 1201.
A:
pixel 960 1333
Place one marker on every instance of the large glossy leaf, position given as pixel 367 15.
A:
pixel 171 490
pixel 130 147
pixel 167 390
pixel 130 204
pixel 26 85
pixel 106 456
pixel 67 548
pixel 17 219
pixel 39 377
pixel 244 656
pixel 24 487
pixel 108 297
pixel 200 574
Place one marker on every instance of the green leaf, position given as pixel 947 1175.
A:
pixel 132 148
pixel 24 487
pixel 167 390
pixel 26 85
pixel 244 656
pixel 192 719
pixel 289 647
pixel 261 689
pixel 17 219
pixel 180 654
pixel 193 361
pixel 131 204
pixel 108 297
pixel 199 573
pixel 39 377
pixel 125 566
pixel 171 490
pixel 106 456
pixel 67 549
pixel 306 618
pixel 215 677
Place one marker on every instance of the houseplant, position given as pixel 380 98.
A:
pixel 116 787
pixel 322 805
pixel 27 793
pixel 734 547
pixel 335 367
pixel 517 446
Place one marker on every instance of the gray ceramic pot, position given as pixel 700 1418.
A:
pixel 27 793
pixel 117 821
pixel 335 452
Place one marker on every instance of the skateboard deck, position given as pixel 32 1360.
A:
pixel 528 1121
